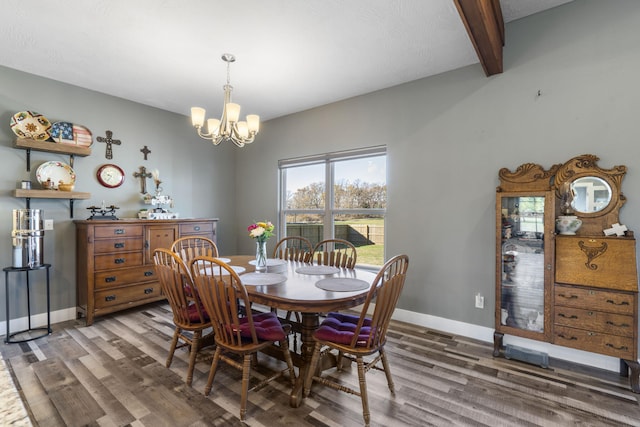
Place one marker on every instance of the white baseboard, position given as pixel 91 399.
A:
pixel 486 334
pixel 448 326
pixel 38 321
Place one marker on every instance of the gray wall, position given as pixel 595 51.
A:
pixel 569 87
pixel 198 176
pixel 448 135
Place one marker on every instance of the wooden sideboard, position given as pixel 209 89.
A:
pixel 114 260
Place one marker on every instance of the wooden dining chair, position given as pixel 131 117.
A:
pixel 189 316
pixel 293 248
pixel 189 247
pixel 238 332
pixel 357 337
pixel 335 252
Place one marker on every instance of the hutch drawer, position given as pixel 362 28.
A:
pixel 117 230
pixel 611 345
pixel 118 245
pixel 597 321
pixel 125 295
pixel 118 260
pixel 594 299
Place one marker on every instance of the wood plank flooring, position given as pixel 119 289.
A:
pixel 112 374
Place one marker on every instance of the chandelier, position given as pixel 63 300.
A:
pixel 228 128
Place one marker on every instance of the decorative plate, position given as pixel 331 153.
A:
pixel 82 136
pixel 29 124
pixel 56 172
pixel 62 133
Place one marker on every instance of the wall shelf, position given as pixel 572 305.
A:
pixel 51 194
pixel 50 147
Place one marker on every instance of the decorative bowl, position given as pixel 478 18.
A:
pixel 568 224
pixel 62 186
pixel 29 124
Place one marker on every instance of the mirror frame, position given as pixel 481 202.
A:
pixel 586 166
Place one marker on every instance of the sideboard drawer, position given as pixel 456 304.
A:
pixel 118 245
pixel 203 228
pixel 609 301
pixel 113 297
pixel 116 278
pixel 121 260
pixel 622 347
pixel 118 230
pixel 597 321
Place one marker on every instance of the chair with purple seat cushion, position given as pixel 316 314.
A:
pixel 357 337
pixel 335 252
pixel 188 313
pixel 237 331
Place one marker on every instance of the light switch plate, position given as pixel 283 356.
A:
pixel 48 224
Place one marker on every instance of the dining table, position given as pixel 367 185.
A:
pixel 306 288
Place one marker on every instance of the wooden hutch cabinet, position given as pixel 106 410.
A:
pixel 114 260
pixel 573 288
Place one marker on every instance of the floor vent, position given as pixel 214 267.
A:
pixel 526 355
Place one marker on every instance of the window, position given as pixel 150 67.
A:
pixel 337 195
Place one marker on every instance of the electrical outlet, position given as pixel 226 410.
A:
pixel 48 224
pixel 479 301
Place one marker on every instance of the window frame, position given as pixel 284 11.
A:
pixel 329 212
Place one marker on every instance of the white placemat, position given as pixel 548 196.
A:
pixel 261 279
pixel 317 269
pixel 220 270
pixel 227 260
pixel 271 262
pixel 342 284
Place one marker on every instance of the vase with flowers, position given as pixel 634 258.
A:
pixel 261 231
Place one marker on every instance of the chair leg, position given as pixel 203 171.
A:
pixel 313 365
pixel 212 371
pixel 387 371
pixel 363 392
pixel 172 348
pixel 246 371
pixel 195 343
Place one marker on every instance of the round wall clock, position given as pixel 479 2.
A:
pixel 110 175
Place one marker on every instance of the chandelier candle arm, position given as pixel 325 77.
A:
pixel 229 127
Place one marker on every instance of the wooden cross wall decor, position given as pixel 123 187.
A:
pixel 109 140
pixel 145 151
pixel 143 175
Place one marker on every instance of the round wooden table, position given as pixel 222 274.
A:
pixel 300 293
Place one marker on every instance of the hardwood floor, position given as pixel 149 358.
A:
pixel 112 374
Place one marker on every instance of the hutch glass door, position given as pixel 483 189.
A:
pixel 524 252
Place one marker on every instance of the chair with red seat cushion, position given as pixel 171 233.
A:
pixel 355 337
pixel 188 313
pixel 237 331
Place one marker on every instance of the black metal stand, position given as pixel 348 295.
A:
pixel 46 330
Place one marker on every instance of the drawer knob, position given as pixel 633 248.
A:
pixel 118 231
pixel 567 338
pixel 622 347
pixel 110 279
pixel 119 260
pixel 621 325
pixel 148 290
pixel 573 316
pixel 196 228
pixel 148 273
pixel 110 298
pixel 118 245
pixel 610 301
pixel 568 297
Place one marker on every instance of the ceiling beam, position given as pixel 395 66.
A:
pixel 485 26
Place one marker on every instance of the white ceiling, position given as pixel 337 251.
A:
pixel 292 55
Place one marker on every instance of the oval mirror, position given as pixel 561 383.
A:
pixel 590 194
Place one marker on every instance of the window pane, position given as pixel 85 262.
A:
pixel 360 183
pixel 366 232
pixel 305 187
pixel 305 225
